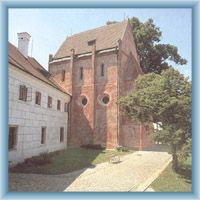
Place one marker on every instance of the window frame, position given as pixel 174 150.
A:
pixel 49 102
pixel 84 101
pixel 43 135
pixel 14 147
pixel 63 75
pixel 66 107
pixel 91 42
pixel 61 134
pixel 38 97
pixel 23 90
pixel 81 73
pixel 102 69
pixel 58 104
pixel 108 99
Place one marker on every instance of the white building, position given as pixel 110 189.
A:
pixel 38 106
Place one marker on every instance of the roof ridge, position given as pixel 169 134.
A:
pixel 38 64
pixel 106 36
pixel 18 50
pixel 27 58
pixel 76 34
pixel 35 71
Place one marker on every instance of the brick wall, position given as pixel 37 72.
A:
pixel 94 123
pixel 131 134
pixel 97 123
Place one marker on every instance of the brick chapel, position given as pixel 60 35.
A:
pixel 97 67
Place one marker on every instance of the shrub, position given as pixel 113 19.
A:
pixel 122 149
pixel 42 159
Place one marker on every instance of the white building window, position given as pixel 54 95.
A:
pixel 61 134
pixel 23 92
pixel 12 137
pixel 38 98
pixel 43 135
pixel 49 102
pixel 58 104
pixel 66 107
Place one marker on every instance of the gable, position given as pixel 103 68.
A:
pixel 105 37
pixel 130 71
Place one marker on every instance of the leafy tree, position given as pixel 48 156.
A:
pixel 153 54
pixel 186 149
pixel 110 22
pixel 164 99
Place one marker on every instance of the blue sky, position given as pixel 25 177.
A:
pixel 50 27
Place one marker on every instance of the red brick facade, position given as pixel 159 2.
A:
pixel 96 75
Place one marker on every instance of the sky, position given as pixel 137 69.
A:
pixel 49 27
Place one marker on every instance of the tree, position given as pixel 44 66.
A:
pixel 154 56
pixel 164 99
pixel 111 22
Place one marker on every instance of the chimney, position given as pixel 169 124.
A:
pixel 50 57
pixel 23 42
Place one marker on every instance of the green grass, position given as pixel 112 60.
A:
pixel 68 160
pixel 169 181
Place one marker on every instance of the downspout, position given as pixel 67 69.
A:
pixel 118 86
pixel 69 121
pixel 94 89
pixel 71 100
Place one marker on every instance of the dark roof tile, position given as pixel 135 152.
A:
pixel 106 37
pixel 31 66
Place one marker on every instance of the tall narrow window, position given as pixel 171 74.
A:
pixel 58 105
pixel 23 92
pixel 43 135
pixel 38 98
pixel 66 107
pixel 81 73
pixel 12 137
pixel 63 75
pixel 102 69
pixel 49 102
pixel 61 134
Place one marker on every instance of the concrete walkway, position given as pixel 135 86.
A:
pixel 134 173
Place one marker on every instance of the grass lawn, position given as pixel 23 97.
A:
pixel 169 181
pixel 68 160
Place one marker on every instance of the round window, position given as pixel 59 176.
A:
pixel 105 99
pixel 84 101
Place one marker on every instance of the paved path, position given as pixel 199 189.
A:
pixel 135 172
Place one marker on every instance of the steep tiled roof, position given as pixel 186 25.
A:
pixel 106 37
pixel 31 66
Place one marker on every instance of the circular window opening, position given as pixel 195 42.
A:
pixel 84 101
pixel 105 100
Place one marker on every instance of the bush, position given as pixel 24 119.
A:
pixel 122 149
pixel 42 159
pixel 186 150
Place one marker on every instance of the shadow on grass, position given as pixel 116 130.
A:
pixel 158 148
pixel 185 171
pixel 59 172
